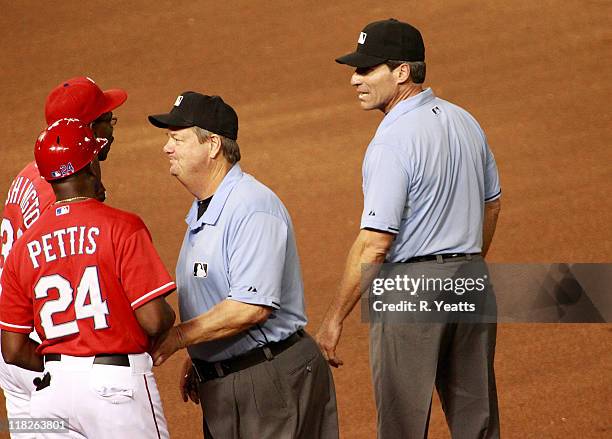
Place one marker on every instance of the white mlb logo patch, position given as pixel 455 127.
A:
pixel 62 210
pixel 362 37
pixel 178 101
pixel 200 269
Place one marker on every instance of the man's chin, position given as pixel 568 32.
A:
pixel 365 105
pixel 104 151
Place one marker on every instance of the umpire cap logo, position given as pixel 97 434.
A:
pixel 200 269
pixel 362 38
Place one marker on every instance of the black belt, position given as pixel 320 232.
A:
pixel 209 371
pixel 440 258
pixel 108 359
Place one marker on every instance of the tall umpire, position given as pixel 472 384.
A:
pixel 258 374
pixel 431 200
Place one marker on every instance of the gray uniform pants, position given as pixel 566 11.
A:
pixel 289 397
pixel 408 359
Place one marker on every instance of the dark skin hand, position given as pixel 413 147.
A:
pixel 189 382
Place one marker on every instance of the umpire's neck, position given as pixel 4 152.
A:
pixel 403 91
pixel 210 180
pixel 209 171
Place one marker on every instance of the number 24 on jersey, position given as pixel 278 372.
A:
pixel 88 288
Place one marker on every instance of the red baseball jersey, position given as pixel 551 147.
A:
pixel 78 275
pixel 28 196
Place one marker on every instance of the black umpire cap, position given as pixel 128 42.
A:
pixel 386 40
pixel 195 109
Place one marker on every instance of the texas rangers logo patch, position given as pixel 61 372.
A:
pixel 200 269
pixel 62 210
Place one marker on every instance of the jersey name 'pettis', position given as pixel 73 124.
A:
pixel 61 243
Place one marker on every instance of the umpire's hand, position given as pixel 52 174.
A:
pixel 327 337
pixel 189 382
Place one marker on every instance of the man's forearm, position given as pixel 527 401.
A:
pixel 350 288
pixel 168 318
pixel 355 279
pixel 491 213
pixel 27 358
pixel 225 319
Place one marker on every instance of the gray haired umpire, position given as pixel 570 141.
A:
pixel 251 365
pixel 431 200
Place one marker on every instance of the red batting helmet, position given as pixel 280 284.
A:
pixel 81 98
pixel 65 147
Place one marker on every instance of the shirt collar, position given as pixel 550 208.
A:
pixel 218 200
pixel 407 105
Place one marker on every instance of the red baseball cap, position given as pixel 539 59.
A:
pixel 81 98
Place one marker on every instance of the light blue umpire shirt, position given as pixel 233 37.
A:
pixel 242 248
pixel 426 175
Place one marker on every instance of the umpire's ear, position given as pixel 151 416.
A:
pixel 214 145
pixel 402 73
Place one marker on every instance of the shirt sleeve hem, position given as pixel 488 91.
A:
pixel 493 197
pixel 261 300
pixel 379 226
pixel 147 297
pixel 16 328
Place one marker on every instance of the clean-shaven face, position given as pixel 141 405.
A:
pixel 376 86
pixel 186 154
